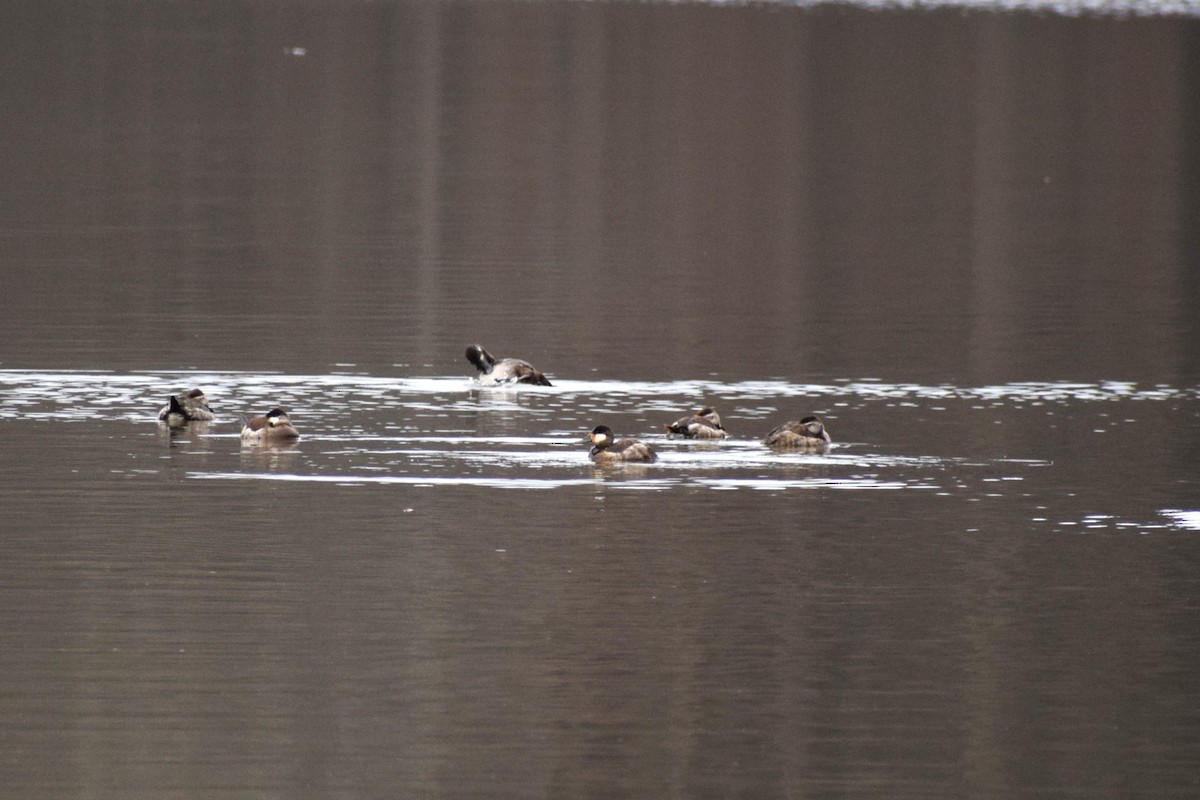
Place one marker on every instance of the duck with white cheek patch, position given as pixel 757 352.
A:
pixel 607 449
pixel 272 427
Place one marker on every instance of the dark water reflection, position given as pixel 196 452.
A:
pixel 965 240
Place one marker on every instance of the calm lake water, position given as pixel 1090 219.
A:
pixel 967 240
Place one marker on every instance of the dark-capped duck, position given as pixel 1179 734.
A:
pixel 190 407
pixel 607 449
pixel 504 370
pixel 274 426
pixel 808 434
pixel 704 424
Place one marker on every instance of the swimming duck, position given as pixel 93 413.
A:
pixel 504 370
pixel 704 424
pixel 609 450
pixel 193 407
pixel 808 434
pixel 274 426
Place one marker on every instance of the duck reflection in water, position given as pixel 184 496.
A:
pixel 607 449
pixel 704 424
pixel 505 370
pixel 190 407
pixel 274 427
pixel 808 435
pixel 193 435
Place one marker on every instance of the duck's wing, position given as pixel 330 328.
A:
pixel 516 370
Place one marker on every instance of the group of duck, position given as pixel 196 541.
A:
pixel 274 426
pixel 806 435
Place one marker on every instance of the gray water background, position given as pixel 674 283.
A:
pixel 966 239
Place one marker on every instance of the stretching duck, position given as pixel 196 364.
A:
pixel 504 370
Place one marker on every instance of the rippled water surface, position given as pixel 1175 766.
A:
pixel 453 431
pixel 964 239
